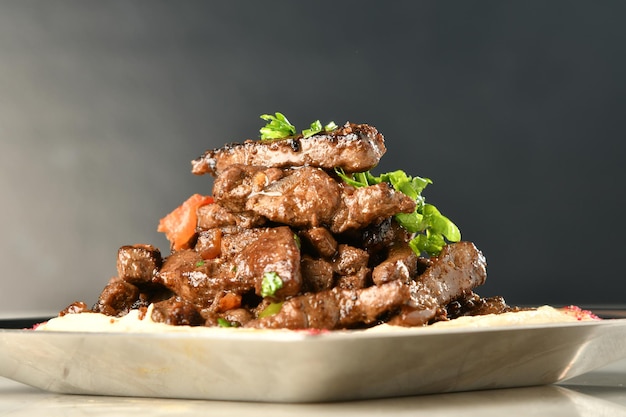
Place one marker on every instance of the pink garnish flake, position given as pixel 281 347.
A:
pixel 580 314
pixel 36 325
pixel 313 332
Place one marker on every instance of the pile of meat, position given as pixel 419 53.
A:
pixel 278 207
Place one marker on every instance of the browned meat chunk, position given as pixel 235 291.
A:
pixel 209 243
pixel 349 260
pixel 401 263
pixel 117 298
pixel 138 263
pixel 336 308
pixel 353 147
pixel 213 216
pixel 233 187
pixel 306 197
pixel 474 305
pixel 235 240
pixel 275 250
pixel 176 311
pixel 320 240
pixel 360 279
pixel 237 317
pixel 317 274
pixel 245 258
pixel 74 308
pixel 377 238
pixel 361 207
pixel 458 269
pixel 189 276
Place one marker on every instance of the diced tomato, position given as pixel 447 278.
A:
pixel 180 225
pixel 229 301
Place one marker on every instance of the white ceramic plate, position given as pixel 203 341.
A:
pixel 285 366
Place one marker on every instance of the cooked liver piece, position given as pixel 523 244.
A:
pixel 138 263
pixel 458 269
pixel 274 250
pixel 245 258
pixel 336 308
pixel 176 311
pixel 320 240
pixel 401 263
pixel 363 206
pixel 317 274
pixel 117 298
pixel 352 147
pixel 304 197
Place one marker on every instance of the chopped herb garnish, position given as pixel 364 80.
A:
pixel 225 323
pixel 431 228
pixel 316 127
pixel 270 310
pixel 298 241
pixel 199 264
pixel 270 284
pixel 278 127
pixel 330 127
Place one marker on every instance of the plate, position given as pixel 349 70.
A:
pixel 287 366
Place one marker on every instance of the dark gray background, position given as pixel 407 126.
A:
pixel 514 109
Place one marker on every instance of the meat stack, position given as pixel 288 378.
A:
pixel 286 243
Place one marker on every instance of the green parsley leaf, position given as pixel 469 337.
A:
pixel 316 127
pixel 438 230
pixel 296 238
pixel 278 127
pixel 271 309
pixel 330 127
pixel 270 284
pixel 430 226
pixel 440 224
pixel 428 242
pixel 225 323
pixel 359 179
